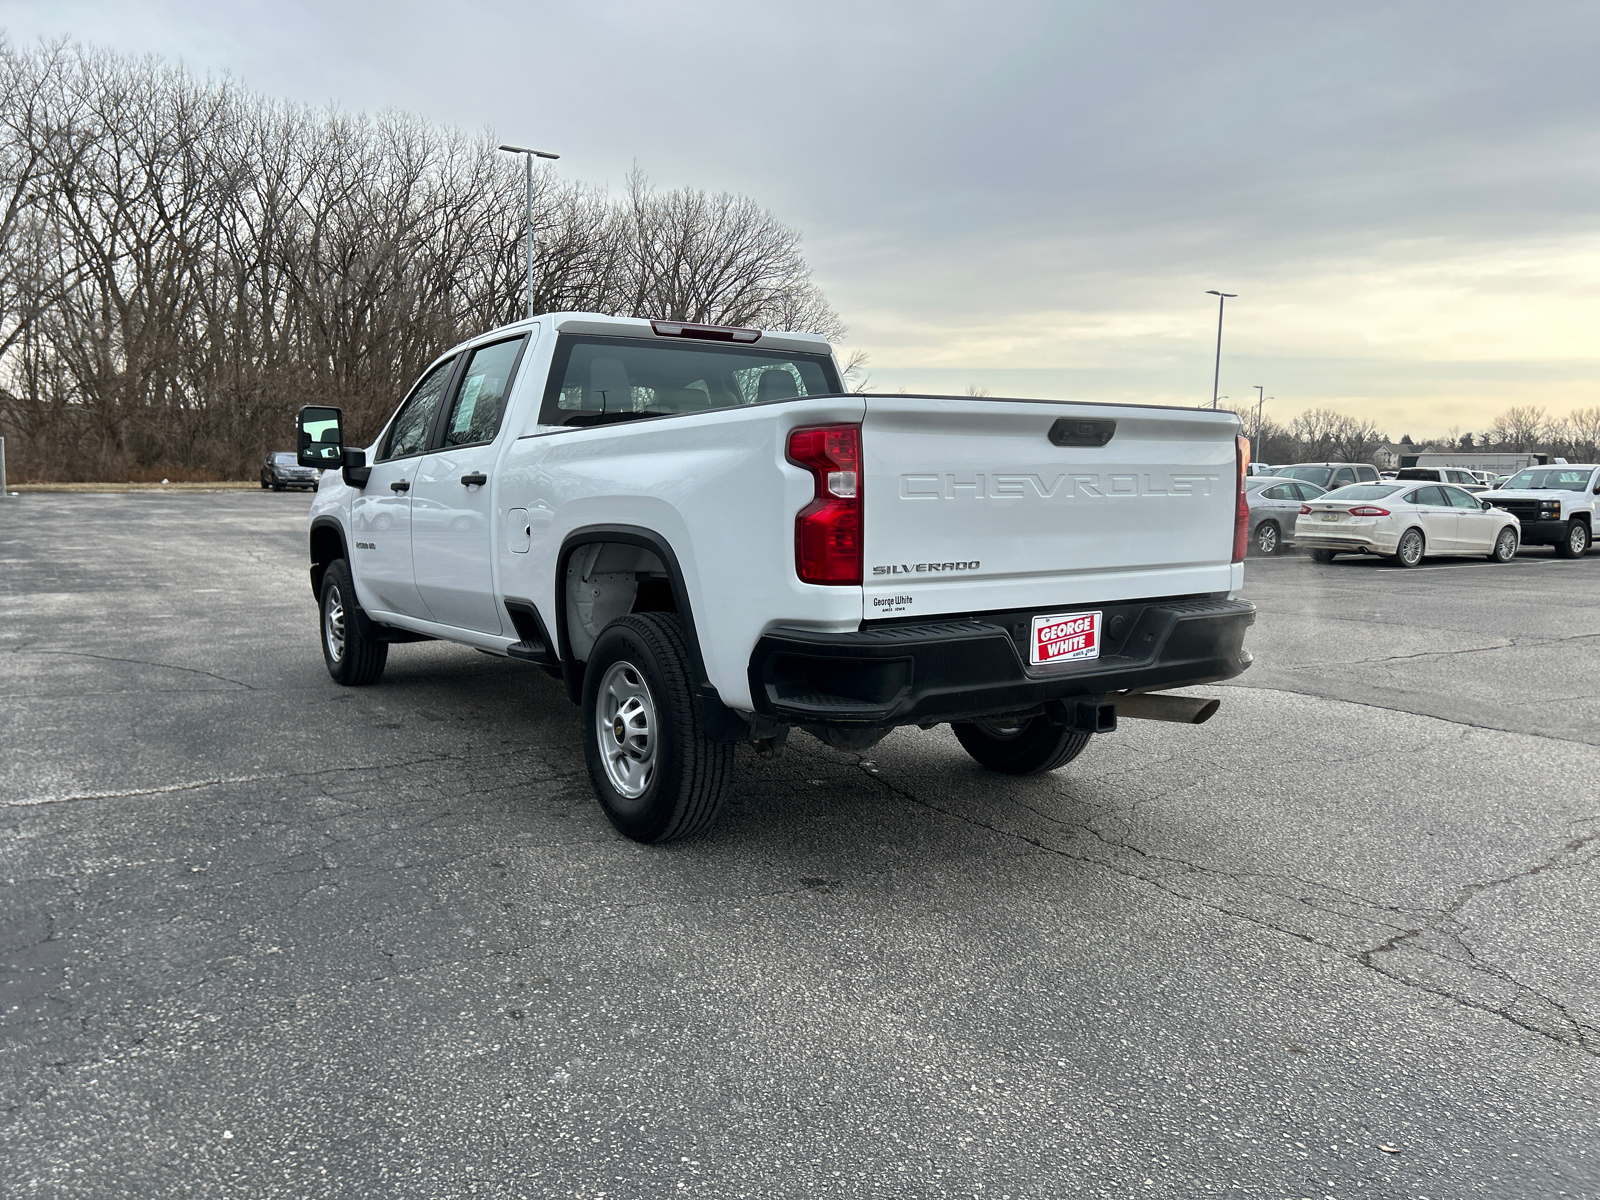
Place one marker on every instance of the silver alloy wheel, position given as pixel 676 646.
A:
pixel 333 623
pixel 1505 546
pixel 1410 548
pixel 1266 537
pixel 1002 731
pixel 625 727
pixel 1578 539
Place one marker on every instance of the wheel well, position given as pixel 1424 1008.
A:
pixel 327 544
pixel 607 580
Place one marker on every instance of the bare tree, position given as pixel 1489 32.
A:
pixel 1521 428
pixel 184 262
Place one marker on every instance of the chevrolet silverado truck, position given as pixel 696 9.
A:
pixel 710 542
pixel 1555 504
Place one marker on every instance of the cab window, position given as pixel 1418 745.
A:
pixel 1343 475
pixel 480 399
pixel 408 434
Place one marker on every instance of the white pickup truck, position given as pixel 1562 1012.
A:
pixel 709 541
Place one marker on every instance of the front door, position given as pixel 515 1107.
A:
pixel 452 506
pixel 380 517
pixel 1476 529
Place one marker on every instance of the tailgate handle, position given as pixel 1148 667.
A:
pixel 1074 431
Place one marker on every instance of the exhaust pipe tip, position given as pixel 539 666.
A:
pixel 1180 710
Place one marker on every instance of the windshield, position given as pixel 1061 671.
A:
pixel 594 380
pixel 1563 479
pixel 1316 475
pixel 284 458
pixel 1362 491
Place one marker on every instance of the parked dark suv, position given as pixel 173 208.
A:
pixel 1328 476
pixel 281 470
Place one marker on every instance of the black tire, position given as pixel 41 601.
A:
pixel 1323 556
pixel 1030 747
pixel 1505 545
pixel 682 789
pixel 354 659
pixel 263 485
pixel 1410 549
pixel 1268 538
pixel 276 486
pixel 1575 542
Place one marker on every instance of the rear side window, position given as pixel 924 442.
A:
pixel 413 423
pixel 1428 495
pixel 598 380
pixel 481 397
pixel 1281 492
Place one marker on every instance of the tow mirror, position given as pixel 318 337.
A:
pixel 321 437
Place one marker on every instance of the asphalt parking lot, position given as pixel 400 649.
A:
pixel 264 936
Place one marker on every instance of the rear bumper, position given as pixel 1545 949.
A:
pixel 1350 540
pixel 931 671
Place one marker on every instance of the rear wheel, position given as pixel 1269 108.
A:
pixel 1505 546
pixel 354 659
pixel 1409 551
pixel 1323 556
pixel 1268 538
pixel 1025 747
pixel 656 774
pixel 1576 542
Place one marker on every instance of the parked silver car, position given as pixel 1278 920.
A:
pixel 1274 505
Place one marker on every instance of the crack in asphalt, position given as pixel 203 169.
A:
pixel 143 662
pixel 1568 1031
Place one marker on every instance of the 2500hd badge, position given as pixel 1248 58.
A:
pixel 923 568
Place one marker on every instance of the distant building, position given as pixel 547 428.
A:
pixel 1387 456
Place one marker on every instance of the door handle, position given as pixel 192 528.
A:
pixel 400 485
pixel 477 477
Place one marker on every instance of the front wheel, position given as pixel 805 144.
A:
pixel 1267 537
pixel 1409 551
pixel 1505 546
pixel 1576 542
pixel 1323 556
pixel 1025 747
pixel 656 774
pixel 354 658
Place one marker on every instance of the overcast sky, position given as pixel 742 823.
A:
pixel 1033 198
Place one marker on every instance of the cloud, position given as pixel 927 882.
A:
pixel 1404 196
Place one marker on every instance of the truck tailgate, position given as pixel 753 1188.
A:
pixel 971 506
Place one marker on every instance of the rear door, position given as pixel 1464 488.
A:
pixel 1438 519
pixel 452 506
pixel 976 505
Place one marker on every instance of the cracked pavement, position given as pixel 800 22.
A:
pixel 263 936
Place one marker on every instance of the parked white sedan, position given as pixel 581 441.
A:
pixel 1405 521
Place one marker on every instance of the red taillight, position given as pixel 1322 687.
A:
pixel 1241 509
pixel 1369 511
pixel 1304 509
pixel 827 533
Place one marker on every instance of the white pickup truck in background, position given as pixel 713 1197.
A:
pixel 710 542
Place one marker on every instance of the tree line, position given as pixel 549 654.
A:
pixel 1323 435
pixel 184 262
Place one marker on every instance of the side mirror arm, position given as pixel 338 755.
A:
pixel 356 472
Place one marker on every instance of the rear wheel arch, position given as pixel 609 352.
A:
pixel 637 538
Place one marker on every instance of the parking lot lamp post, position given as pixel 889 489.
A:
pixel 528 156
pixel 1216 375
pixel 1259 403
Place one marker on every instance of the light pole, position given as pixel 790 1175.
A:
pixel 527 157
pixel 1259 403
pixel 1222 298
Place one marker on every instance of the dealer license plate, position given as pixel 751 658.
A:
pixel 1065 637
